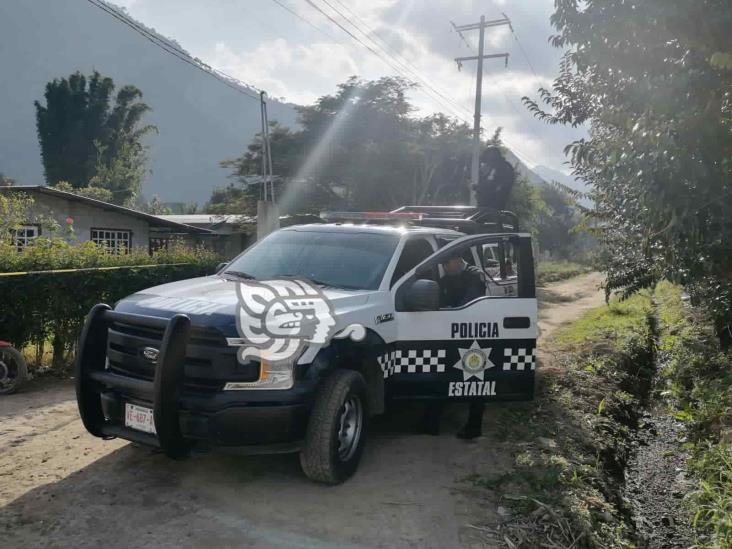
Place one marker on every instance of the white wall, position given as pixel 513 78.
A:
pixel 87 217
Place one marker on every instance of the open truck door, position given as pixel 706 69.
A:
pixel 485 349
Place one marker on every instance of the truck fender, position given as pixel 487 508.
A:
pixel 360 356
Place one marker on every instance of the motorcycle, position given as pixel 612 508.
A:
pixel 13 369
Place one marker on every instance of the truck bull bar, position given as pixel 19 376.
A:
pixel 92 376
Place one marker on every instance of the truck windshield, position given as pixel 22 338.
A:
pixel 348 260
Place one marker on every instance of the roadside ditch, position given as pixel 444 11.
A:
pixel 598 460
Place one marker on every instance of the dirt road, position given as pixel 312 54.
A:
pixel 61 487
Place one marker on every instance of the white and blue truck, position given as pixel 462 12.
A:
pixel 295 343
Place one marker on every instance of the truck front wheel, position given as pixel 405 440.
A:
pixel 336 431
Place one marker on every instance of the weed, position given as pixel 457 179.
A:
pixel 697 377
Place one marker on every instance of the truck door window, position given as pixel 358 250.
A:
pixel 414 252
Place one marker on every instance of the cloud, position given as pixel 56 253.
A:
pixel 127 4
pixel 300 64
pixel 295 72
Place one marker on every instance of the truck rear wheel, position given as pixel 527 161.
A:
pixel 336 431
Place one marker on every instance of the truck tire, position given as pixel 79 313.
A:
pixel 336 431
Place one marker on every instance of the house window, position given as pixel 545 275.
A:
pixel 24 234
pixel 116 241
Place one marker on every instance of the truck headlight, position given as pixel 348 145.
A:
pixel 278 375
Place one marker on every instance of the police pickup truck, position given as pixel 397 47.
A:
pixel 296 342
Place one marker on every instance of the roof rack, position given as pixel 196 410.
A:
pixel 466 219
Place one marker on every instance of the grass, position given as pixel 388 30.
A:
pixel 554 271
pixel 588 406
pixel 612 323
pixel 697 381
pixel 571 443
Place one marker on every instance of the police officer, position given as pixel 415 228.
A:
pixel 461 284
pixel 496 179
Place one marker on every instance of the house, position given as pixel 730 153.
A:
pixel 119 228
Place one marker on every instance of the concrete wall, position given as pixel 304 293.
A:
pixel 231 245
pixel 87 217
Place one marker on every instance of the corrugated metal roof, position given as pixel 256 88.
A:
pixel 211 219
pixel 154 220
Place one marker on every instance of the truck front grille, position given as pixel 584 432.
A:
pixel 208 364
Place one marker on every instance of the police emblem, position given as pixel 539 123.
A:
pixel 474 361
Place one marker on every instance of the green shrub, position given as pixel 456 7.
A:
pixel 697 375
pixel 712 500
pixel 554 271
pixel 39 305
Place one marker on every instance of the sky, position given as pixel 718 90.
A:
pixel 302 56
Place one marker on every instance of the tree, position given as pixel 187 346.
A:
pixel 85 140
pixel 6 181
pixel 557 221
pixel 651 79
pixel 15 210
pixel 96 193
pixel 155 207
pixel 442 147
pixel 359 149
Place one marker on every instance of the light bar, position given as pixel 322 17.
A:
pixel 370 216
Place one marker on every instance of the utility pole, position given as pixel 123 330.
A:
pixel 268 217
pixel 481 26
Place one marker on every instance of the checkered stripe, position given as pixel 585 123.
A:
pixel 519 359
pixel 412 361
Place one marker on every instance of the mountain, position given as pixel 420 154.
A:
pixel 201 120
pixel 522 169
pixel 550 174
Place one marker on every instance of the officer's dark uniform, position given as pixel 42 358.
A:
pixel 457 290
pixel 461 288
pixel 496 178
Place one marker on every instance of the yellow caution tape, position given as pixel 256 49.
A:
pixel 86 269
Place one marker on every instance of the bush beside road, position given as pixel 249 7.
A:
pixel 696 386
pixel 555 271
pixel 39 305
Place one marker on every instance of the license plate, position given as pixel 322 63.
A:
pixel 139 418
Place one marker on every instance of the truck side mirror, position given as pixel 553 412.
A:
pixel 423 295
pixel 220 267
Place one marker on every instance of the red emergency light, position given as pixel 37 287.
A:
pixel 371 216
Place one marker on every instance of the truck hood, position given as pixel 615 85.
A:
pixel 212 301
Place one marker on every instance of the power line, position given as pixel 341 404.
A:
pixel 228 80
pixel 505 95
pixel 402 64
pixel 519 154
pixel 461 35
pixel 369 48
pixel 396 68
pixel 521 47
pixel 303 18
pixel 480 26
pixel 386 48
